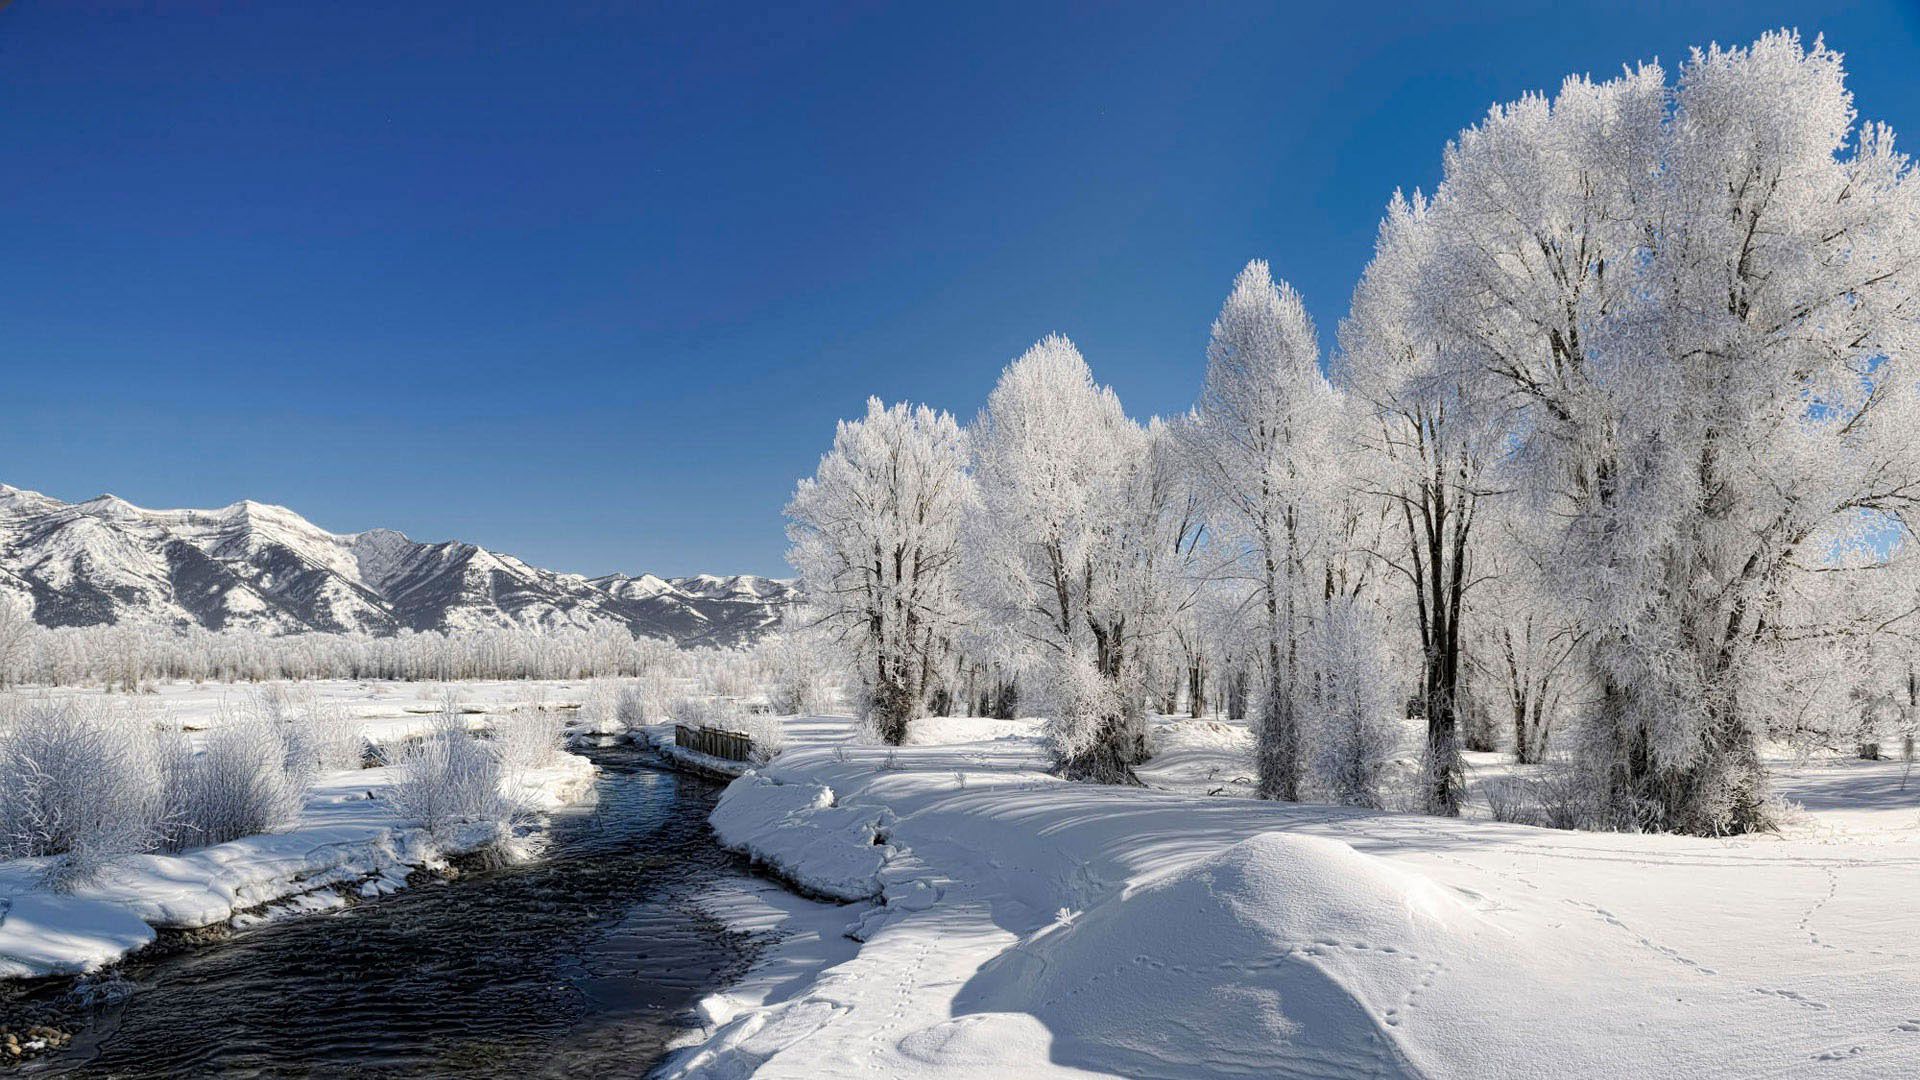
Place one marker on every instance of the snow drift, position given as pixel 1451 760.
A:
pixel 823 850
pixel 1284 955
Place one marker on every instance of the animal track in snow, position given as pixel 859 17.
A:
pixel 1672 954
pixel 1806 921
pixel 1412 996
pixel 1794 996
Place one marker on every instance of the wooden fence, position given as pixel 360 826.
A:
pixel 731 745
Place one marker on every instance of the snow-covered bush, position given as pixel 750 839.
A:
pixel 730 674
pixel 246 779
pixel 528 738
pixel 448 777
pixel 77 780
pixel 1559 796
pixel 769 735
pixel 616 705
pixel 1085 712
pixel 703 711
pixel 644 700
pixel 1355 736
pixel 800 683
pixel 1510 799
pixel 600 711
pixel 320 736
pixel 87 781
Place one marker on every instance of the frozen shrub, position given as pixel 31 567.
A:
pixel 76 781
pixel 1094 730
pixel 616 705
pixel 769 735
pixel 244 781
pixel 531 696
pixel 1510 799
pixel 448 777
pixel 730 674
pixel 272 703
pixel 319 736
pixel 1559 796
pixel 600 712
pixel 725 714
pixel 640 702
pixel 1356 735
pixel 802 692
pixel 528 738
pixel 800 686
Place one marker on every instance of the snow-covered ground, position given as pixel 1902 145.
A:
pixel 387 712
pixel 347 837
pixel 1020 925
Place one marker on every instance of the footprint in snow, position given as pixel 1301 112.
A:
pixel 1793 996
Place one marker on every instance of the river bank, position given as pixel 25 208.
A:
pixel 1015 924
pixel 348 836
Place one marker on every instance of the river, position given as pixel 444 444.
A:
pixel 584 961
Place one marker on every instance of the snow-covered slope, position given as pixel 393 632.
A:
pixel 260 567
pixel 693 610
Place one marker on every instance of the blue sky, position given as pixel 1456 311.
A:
pixel 591 282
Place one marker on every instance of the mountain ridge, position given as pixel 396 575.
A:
pixel 258 566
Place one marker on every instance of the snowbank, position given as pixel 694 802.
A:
pixel 347 834
pixel 1030 927
pixel 824 849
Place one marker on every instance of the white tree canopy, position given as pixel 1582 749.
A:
pixel 876 541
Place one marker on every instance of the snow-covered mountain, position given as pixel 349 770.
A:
pixel 260 567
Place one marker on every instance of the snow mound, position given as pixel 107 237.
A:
pixel 801 834
pixel 1283 955
pixel 42 934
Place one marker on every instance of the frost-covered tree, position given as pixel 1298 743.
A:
pixel 1527 640
pixel 876 541
pixel 1698 298
pixel 1070 546
pixel 1165 517
pixel 1430 447
pixel 1262 445
pixel 1842 671
pixel 16 627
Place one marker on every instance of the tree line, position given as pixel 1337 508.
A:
pixel 1615 445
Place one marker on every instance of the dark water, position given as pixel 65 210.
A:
pixel 584 962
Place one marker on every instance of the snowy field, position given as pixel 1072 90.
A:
pixel 966 913
pixel 1021 925
pixel 349 838
pixel 387 712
